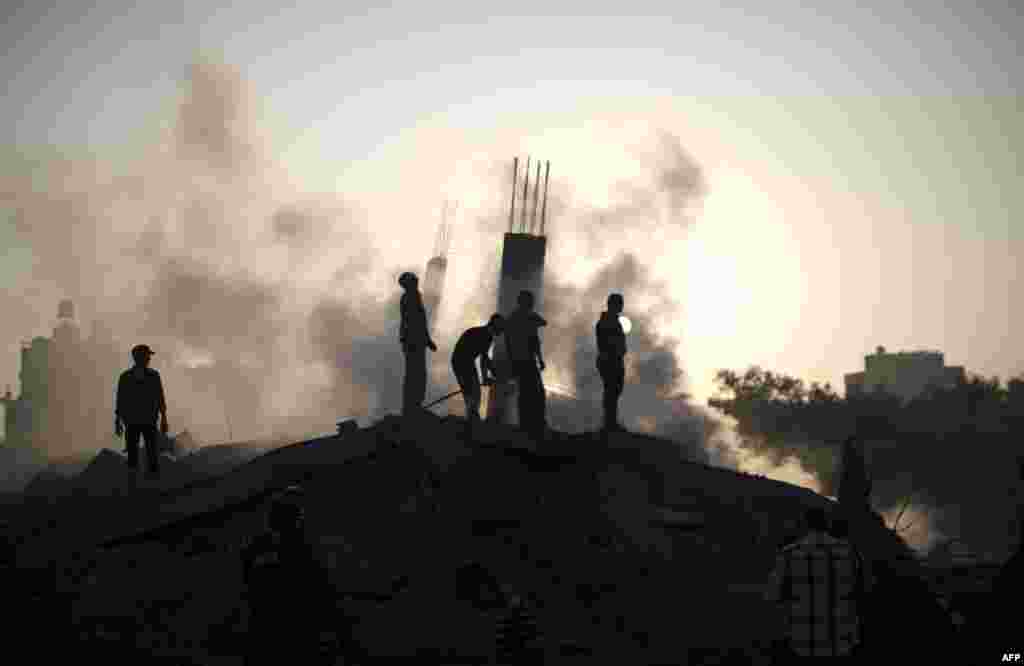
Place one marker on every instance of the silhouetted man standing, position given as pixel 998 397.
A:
pixel 289 592
pixel 1001 629
pixel 527 362
pixel 611 352
pixel 414 335
pixel 473 344
pixel 818 584
pixel 140 399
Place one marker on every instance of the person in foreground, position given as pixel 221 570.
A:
pixel 291 599
pixel 817 585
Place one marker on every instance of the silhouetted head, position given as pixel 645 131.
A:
pixel 408 280
pixel 141 354
pixel 615 303
pixel 496 324
pixel 286 514
pixel 816 519
pixel 525 300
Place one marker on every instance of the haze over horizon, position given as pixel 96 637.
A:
pixel 857 180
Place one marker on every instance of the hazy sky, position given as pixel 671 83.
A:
pixel 861 158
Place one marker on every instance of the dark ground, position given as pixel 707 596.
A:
pixel 580 527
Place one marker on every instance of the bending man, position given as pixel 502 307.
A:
pixel 473 344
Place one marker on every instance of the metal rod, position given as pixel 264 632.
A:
pixel 442 399
pixel 544 206
pixel 439 239
pixel 536 187
pixel 444 228
pixel 515 182
pixel 526 189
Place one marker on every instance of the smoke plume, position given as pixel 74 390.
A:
pixel 274 311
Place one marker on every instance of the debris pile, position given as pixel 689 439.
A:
pixel 613 546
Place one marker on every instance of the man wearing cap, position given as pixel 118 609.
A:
pixel 414 336
pixel 140 399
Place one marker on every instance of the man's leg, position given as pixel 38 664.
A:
pixel 407 381
pixel 606 397
pixel 462 377
pixel 131 444
pixel 415 388
pixel 523 396
pixel 610 398
pixel 472 393
pixel 618 379
pixel 534 401
pixel 149 433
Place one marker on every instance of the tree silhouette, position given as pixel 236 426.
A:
pixel 950 447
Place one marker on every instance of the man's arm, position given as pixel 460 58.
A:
pixel 403 325
pixel 535 350
pixel 425 323
pixel 119 405
pixel 486 366
pixel 602 341
pixel 162 403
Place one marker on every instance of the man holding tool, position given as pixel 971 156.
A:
pixel 475 343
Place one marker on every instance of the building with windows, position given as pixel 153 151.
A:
pixel 907 375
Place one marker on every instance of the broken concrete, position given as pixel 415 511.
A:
pixel 630 552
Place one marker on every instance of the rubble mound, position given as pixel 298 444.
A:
pixel 17 468
pixel 184 443
pixel 47 482
pixel 617 544
pixel 107 473
pixel 55 480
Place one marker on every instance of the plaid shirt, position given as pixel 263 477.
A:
pixel 820 580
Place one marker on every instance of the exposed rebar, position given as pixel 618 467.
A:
pixel 536 186
pixel 515 183
pixel 526 189
pixel 544 206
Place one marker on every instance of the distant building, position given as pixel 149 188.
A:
pixel 905 374
pixel 67 389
